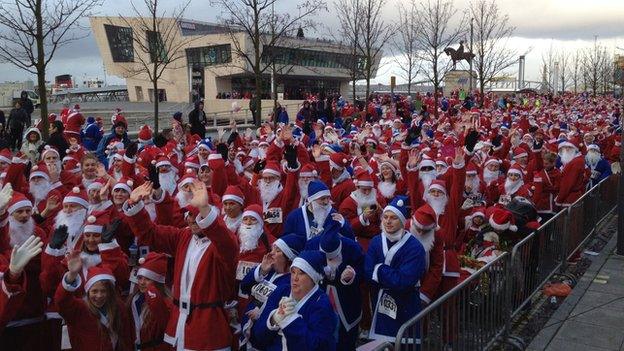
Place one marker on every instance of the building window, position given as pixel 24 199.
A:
pixel 209 55
pixel 139 93
pixel 120 43
pixel 158 52
pixel 310 58
pixel 162 95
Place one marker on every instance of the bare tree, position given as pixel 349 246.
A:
pixel 405 44
pixel 349 13
pixel 254 25
pixel 594 60
pixel 548 64
pixel 32 31
pixel 434 34
pixel 155 36
pixel 491 35
pixel 576 71
pixel 375 34
pixel 564 70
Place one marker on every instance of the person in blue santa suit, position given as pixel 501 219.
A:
pixel 394 264
pixel 344 270
pixel 91 135
pixel 317 213
pixel 272 273
pixel 598 166
pixel 298 317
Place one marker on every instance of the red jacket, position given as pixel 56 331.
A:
pixel 150 331
pixel 574 177
pixel 545 188
pixel 363 231
pixel 11 297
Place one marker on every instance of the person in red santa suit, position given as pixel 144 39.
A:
pixel 205 260
pixel 545 187
pixel 491 171
pixel 90 165
pixel 390 183
pixel 333 172
pixel 574 174
pixel 474 223
pixel 44 198
pixel 26 330
pixel 233 201
pixel 73 215
pixel 513 186
pixel 277 200
pixel 99 321
pixel 74 122
pixel 167 175
pixel 501 221
pixel 474 187
pixel 13 280
pixel 151 304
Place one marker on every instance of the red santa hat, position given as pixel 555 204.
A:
pixel 395 148
pixel 363 179
pixel 119 155
pixel 477 212
pixel 124 183
pixel 96 222
pixel 153 266
pixel 502 219
pixel 515 169
pixel 569 143
pixel 426 162
pixel 439 185
pixel 272 168
pixel 471 169
pixel 390 164
pixel 233 193
pixel 145 134
pixel 77 196
pixel 96 184
pixel 192 162
pixel 519 152
pixel 247 162
pixel 491 160
pixel 18 200
pixel 338 160
pixel 425 218
pixel 254 211
pixel 39 170
pixel 308 170
pixel 162 160
pixel 5 155
pixel 47 149
pixel 119 119
pixel 96 274
pixel 188 178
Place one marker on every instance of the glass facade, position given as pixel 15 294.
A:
pixel 120 43
pixel 310 58
pixel 209 55
pixel 158 53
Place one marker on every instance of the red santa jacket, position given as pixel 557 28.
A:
pixel 545 188
pixel 434 249
pixel 149 331
pixel 203 301
pixel 339 191
pixel 247 261
pixel 12 295
pixel 574 176
pixel 48 221
pixel 364 231
pixel 276 211
pixel 75 120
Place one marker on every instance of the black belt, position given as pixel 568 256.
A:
pixel 192 306
pixel 148 344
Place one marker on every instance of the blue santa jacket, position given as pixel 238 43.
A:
pixel 349 297
pixel 297 222
pixel 91 136
pixel 101 149
pixel 600 172
pixel 311 328
pixel 394 270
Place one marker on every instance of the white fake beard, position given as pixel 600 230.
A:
pixel 184 198
pixel 168 181
pixel 474 184
pixel 89 260
pixel 364 200
pixel 249 235
pixel 512 186
pixel 233 223
pixel 342 177
pixel 442 171
pixel 238 166
pixel 19 232
pixel 117 175
pixel 427 239
pixel 592 159
pixel 320 213
pixel 426 178
pixel 303 189
pixel 254 153
pixel 377 132
pixel 74 222
pixel 268 192
pixel 387 189
pixel 261 153
pixel 40 191
pixel 489 176
pixel 566 156
pixel 437 203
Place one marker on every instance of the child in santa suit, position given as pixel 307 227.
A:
pixel 100 321
pixel 151 304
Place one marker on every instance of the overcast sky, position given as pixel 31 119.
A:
pixel 563 25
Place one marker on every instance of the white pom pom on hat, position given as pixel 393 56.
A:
pixel 34 168
pixel 344 160
pixel 91 219
pixel 130 183
pixel 76 190
pixel 141 260
pixel 400 203
pixel 154 162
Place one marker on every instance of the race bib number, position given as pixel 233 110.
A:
pixel 504 199
pixel 262 290
pixel 388 306
pixel 134 278
pixel 273 215
pixel 243 268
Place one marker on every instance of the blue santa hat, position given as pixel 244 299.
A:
pixel 336 147
pixel 330 243
pixel 291 245
pixel 206 144
pixel 400 207
pixel 317 189
pixel 90 120
pixel 311 263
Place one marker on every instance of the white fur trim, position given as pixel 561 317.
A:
pixel 5 159
pixel 96 278
pixel 16 206
pixel 216 156
pixel 163 163
pixel 319 194
pixel 132 211
pixel 123 186
pixel 233 198
pixel 206 222
pixel 151 275
pixel 39 174
pixel 396 212
pixel 366 183
pixel 254 215
pixel 281 244
pixel 76 200
pixel 91 228
pixel 71 288
pixel 307 269
pixel 55 252
pixel 333 254
pixel 108 246
pixel 422 226
pixel 271 171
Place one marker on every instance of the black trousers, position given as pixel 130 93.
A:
pixel 15 137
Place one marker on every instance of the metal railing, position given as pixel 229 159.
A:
pixel 479 311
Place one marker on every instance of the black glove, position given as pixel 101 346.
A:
pixel 537 145
pixel 259 166
pixel 160 140
pixel 131 150
pixel 59 237
pixel 497 140
pixel 153 177
pixel 290 155
pixel 232 138
pixel 413 134
pixel 109 233
pixel 471 140
pixel 223 150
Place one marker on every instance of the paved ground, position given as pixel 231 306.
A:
pixel 592 317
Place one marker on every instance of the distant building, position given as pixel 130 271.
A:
pixel 211 68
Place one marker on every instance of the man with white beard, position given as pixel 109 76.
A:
pixel 73 216
pixel 307 174
pixel 598 166
pixel 277 200
pixel 167 174
pixel 491 171
pixel 574 174
pixel 233 201
pixel 45 198
pixel 310 219
pixel 184 194
pixel 21 331
pixel 513 186
pixel 474 187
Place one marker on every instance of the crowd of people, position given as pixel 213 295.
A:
pixel 312 235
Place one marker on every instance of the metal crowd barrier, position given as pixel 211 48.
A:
pixel 478 312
